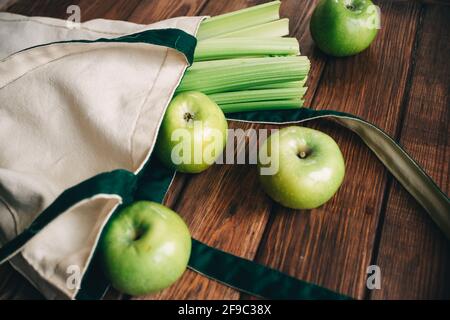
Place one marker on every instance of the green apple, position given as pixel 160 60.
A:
pixel 145 248
pixel 193 133
pixel 344 27
pixel 300 168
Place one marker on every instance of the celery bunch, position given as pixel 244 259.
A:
pixel 244 63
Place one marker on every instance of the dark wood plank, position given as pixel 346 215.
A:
pixel 414 256
pixel 147 12
pixel 332 245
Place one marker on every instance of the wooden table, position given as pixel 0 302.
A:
pixel 401 84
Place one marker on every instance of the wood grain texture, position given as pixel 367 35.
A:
pixel 42 8
pixel 332 245
pixel 238 190
pixel 414 256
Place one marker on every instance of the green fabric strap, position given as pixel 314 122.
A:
pixel 239 273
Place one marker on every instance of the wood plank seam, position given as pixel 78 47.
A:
pixel 396 137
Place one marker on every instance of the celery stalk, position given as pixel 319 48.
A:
pixel 278 28
pixel 240 19
pixel 262 105
pixel 239 74
pixel 214 49
pixel 258 95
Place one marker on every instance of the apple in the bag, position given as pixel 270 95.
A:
pixel 344 27
pixel 145 248
pixel 300 168
pixel 193 133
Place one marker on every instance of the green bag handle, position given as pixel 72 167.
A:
pixel 241 274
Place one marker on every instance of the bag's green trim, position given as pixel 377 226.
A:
pixel 413 178
pixel 173 38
